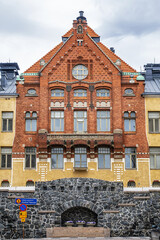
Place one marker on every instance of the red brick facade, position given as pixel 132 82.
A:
pixel 103 73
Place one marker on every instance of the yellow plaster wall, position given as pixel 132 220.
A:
pixel 7 138
pixel 48 174
pixel 152 104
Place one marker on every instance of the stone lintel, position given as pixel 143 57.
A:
pixel 111 211
pixel 83 136
pixel 126 204
pixel 141 197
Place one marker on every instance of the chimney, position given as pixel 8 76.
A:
pixel 112 49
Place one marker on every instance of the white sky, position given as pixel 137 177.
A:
pixel 31 28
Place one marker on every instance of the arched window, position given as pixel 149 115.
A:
pixel 80 157
pixel 80 93
pixel 5 183
pixel 57 93
pixel 131 183
pixel 129 91
pixel 103 92
pixel 29 183
pixel 31 122
pixel 156 184
pixel 129 122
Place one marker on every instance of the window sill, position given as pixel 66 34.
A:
pixel 30 168
pixel 29 133
pixel 154 132
pixel 7 131
pixel 80 168
pixel 154 168
pixel 130 168
pixel 130 133
pixel 5 168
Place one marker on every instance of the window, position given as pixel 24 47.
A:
pixel 80 93
pixel 57 121
pixel 5 183
pixel 131 184
pixel 80 72
pixel 128 91
pixel 31 91
pixel 31 122
pixel 57 158
pixel 154 158
pixel 129 122
pixel 7 121
pixel 104 158
pixel 130 158
pixel 80 157
pixel 103 92
pixel 30 157
pixel 80 121
pixel 6 157
pixel 103 121
pixel 57 93
pixel 29 183
pixel 154 122
pixel 156 184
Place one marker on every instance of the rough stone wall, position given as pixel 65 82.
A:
pixel 126 214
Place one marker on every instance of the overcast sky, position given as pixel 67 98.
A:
pixel 30 28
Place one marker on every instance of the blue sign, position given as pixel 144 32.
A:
pixel 23 207
pixel 28 201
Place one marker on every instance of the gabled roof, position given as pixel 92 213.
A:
pixel 124 66
pixel 36 67
pixel 90 31
pixel 152 86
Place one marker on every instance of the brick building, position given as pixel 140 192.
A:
pixel 80 113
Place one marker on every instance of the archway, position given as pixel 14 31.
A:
pixel 78 214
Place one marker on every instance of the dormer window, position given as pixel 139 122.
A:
pixel 80 29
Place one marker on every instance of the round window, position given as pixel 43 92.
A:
pixel 32 91
pixel 80 72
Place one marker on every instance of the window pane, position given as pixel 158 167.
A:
pixel 28 114
pixel 151 125
pixel 60 160
pixel 34 114
pixel 126 125
pixel 152 165
pixel 53 160
pixel 27 160
pixel 158 161
pixel 34 125
pixel 127 161
pixel 9 124
pixel 153 114
pixel 57 124
pixel 103 124
pixel 33 161
pixel 28 122
pixel 156 125
pixel 133 161
pixel 4 124
pixel 3 161
pixel 7 115
pixel 9 159
pixel 98 125
pixel 100 161
pixel 107 161
pixel 133 125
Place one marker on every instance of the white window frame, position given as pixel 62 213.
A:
pixel 78 119
pixel 54 116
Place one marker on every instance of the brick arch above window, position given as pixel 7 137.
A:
pixel 57 92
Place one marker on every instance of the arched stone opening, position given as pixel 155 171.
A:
pixel 76 214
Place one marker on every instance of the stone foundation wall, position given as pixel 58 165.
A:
pixel 125 214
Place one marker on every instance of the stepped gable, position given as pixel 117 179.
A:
pixel 36 67
pixel 124 66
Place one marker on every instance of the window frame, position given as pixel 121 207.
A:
pixel 104 151
pixel 154 154
pixel 59 151
pixel 131 154
pixel 8 157
pixel 56 91
pixel 32 152
pixel 53 121
pixel 129 119
pixel 99 92
pixel 80 90
pixel 101 118
pixel 78 119
pixel 77 68
pixel 153 122
pixel 80 152
pixel 7 121
pixel 29 121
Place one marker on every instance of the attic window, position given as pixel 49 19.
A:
pixel 80 29
pixel 80 72
pixel 129 92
